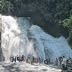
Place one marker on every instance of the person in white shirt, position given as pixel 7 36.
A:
pixel 64 62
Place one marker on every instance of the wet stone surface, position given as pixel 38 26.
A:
pixel 25 67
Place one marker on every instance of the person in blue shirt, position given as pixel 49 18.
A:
pixel 20 58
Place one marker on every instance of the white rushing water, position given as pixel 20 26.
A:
pixel 20 37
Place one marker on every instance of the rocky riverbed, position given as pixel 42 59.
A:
pixel 25 67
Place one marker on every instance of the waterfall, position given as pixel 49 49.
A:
pixel 20 37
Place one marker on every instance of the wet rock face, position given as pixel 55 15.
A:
pixel 40 19
pixel 0 41
pixel 25 67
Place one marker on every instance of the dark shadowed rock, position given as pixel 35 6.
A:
pixel 0 41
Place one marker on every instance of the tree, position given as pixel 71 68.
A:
pixel 6 7
pixel 68 23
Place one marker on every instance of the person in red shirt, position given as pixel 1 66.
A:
pixel 3 58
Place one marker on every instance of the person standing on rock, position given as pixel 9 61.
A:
pixel 60 60
pixel 24 58
pixel 33 59
pixel 39 60
pixel 63 60
pixel 20 58
pixel 17 58
pixel 48 60
pixel 71 60
pixel 56 61
pixel 29 61
pixel 3 58
pixel 12 58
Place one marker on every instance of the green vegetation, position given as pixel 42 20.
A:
pixel 68 23
pixel 54 16
pixel 5 7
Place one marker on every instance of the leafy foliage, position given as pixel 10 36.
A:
pixel 68 23
pixel 5 7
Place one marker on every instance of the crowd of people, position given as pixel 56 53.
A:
pixel 26 59
pixel 65 64
pixel 59 61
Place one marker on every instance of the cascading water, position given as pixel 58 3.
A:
pixel 20 37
